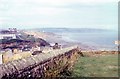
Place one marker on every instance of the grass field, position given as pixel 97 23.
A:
pixel 102 66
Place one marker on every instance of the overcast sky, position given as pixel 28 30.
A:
pixel 59 13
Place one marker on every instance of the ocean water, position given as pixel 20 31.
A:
pixel 103 39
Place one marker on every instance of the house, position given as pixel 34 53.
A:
pixel 8 34
pixel 56 46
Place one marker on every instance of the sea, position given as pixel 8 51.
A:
pixel 100 38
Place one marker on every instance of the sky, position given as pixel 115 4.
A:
pixel 59 13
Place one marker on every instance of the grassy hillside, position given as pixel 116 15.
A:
pixel 102 66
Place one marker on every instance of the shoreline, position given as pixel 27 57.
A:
pixel 53 38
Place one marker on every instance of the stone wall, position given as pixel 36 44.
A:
pixel 48 64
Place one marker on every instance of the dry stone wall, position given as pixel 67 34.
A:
pixel 43 65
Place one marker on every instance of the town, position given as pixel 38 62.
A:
pixel 24 55
pixel 15 44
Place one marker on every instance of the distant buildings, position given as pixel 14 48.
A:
pixel 15 45
pixel 56 46
pixel 8 34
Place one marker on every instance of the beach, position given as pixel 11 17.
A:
pixel 87 40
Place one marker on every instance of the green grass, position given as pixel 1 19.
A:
pixel 104 66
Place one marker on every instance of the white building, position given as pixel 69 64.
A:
pixel 1 59
pixel 7 36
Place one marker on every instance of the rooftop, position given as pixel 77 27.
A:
pixel 9 31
